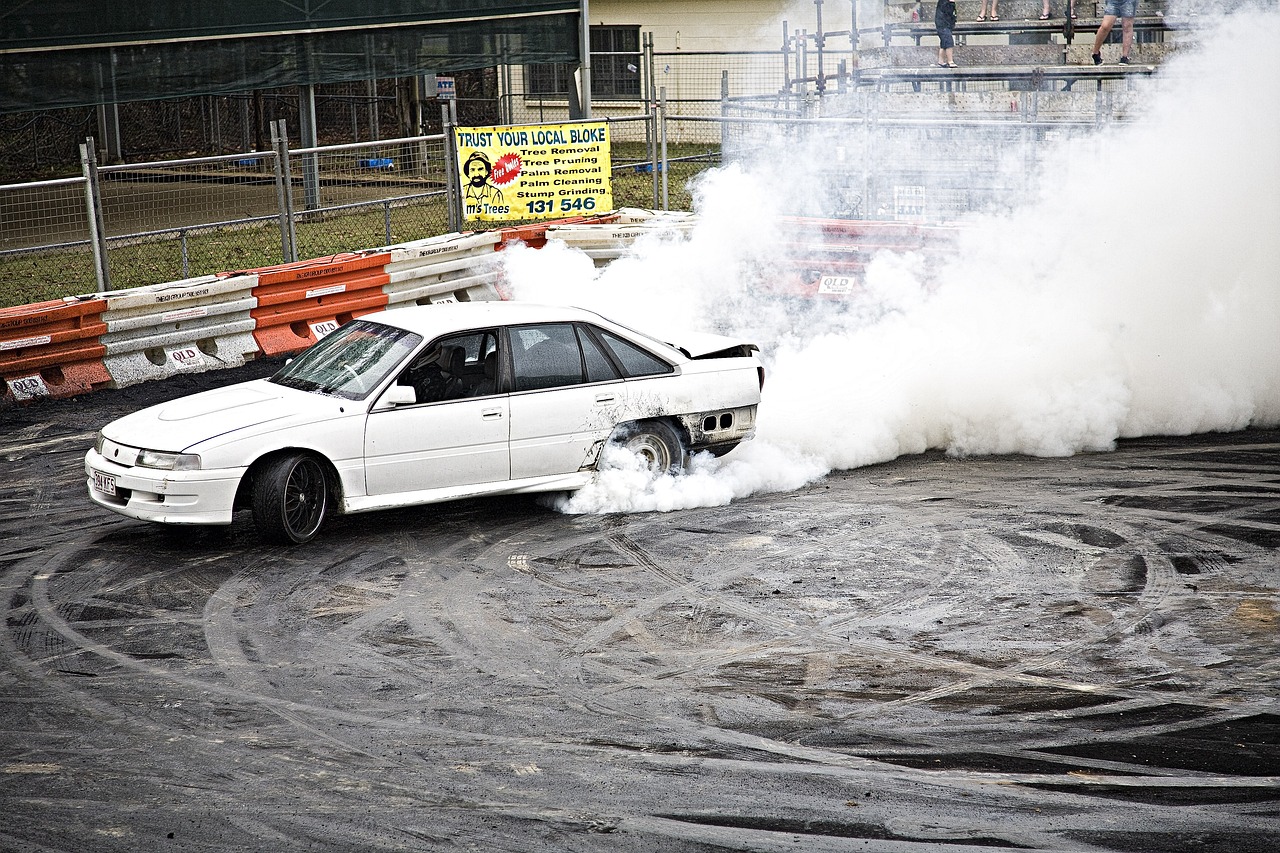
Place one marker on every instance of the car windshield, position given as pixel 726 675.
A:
pixel 350 362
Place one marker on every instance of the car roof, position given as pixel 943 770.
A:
pixel 443 317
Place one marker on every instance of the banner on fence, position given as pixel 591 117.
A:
pixel 534 171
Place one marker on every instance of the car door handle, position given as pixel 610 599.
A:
pixel 491 414
pixel 605 398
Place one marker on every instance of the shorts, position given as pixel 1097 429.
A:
pixel 945 39
pixel 1121 8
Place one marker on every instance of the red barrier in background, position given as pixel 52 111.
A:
pixel 52 349
pixel 300 303
pixel 829 256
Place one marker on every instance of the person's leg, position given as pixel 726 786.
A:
pixel 1126 37
pixel 994 15
pixel 1104 30
pixel 1044 11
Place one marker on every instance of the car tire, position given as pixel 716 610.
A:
pixel 658 444
pixel 290 499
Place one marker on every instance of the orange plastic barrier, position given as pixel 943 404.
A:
pixel 300 303
pixel 52 349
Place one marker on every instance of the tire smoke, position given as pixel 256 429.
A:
pixel 1137 292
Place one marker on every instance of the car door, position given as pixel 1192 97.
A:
pixel 566 399
pixel 456 435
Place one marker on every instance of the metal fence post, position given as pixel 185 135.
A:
pixel 662 109
pixel 93 204
pixel 653 150
pixel 786 58
pixel 651 126
pixel 310 162
pixel 284 192
pixel 452 194
pixel 820 42
pixel 584 50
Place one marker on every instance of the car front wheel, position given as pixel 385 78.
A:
pixel 290 499
pixel 657 444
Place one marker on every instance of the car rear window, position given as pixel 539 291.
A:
pixel 634 360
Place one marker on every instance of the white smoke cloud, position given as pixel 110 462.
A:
pixel 1137 294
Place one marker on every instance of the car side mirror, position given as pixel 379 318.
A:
pixel 397 395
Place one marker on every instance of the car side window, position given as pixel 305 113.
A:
pixel 453 368
pixel 599 368
pixel 634 360
pixel 545 356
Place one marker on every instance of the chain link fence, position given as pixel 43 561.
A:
pixel 875 152
pixel 167 220
pixel 44 240
pixel 363 195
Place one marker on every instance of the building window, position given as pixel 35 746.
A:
pixel 615 68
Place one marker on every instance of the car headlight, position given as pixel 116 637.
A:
pixel 169 461
pixel 99 442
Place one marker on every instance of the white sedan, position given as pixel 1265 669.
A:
pixel 425 404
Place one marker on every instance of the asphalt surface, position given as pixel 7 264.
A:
pixel 931 654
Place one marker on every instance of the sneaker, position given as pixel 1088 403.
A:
pixel 1097 59
pixel 1124 60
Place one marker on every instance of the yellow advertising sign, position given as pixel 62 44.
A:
pixel 534 171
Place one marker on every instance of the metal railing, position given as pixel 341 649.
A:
pixel 176 218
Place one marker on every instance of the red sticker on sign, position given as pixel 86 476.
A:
pixel 506 170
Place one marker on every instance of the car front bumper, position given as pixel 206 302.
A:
pixel 168 497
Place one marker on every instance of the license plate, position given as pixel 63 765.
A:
pixel 104 483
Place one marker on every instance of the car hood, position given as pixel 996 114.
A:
pixel 179 424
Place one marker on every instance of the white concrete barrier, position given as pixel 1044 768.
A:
pixel 447 268
pixel 604 243
pixel 183 326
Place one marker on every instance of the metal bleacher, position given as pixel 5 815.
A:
pixel 1068 27
pixel 1026 76
pixel 1037 54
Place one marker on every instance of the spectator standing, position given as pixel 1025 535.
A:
pixel 982 11
pixel 944 20
pixel 1126 10
pixel 1044 10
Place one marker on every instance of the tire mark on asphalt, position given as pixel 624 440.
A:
pixel 1158 585
pixel 50 618
pixel 826 636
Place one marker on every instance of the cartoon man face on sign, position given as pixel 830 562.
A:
pixel 478 170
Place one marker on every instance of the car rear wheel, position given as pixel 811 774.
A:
pixel 290 499
pixel 658 445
